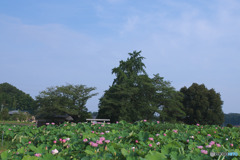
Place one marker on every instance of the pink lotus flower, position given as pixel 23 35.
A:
pixel 47 123
pixel 67 139
pixel 107 141
pixel 150 145
pixel 144 120
pixel 37 155
pixel 208 146
pixel 85 140
pixel 209 135
pixel 9 129
pixel 231 145
pixel 29 142
pixel 215 132
pixel 187 140
pixel 157 135
pixel 150 138
pixel 198 124
pixel 64 140
pixel 99 142
pixel 157 122
pixel 218 145
pixel 53 123
pixel 102 133
pixel 212 143
pixel 102 138
pixel 55 141
pixel 136 141
pixel 117 122
pixel 158 143
pixel 200 147
pixel 94 144
pixel 60 139
pixel 120 137
pixel 165 134
pixel 204 151
pixel 55 151
pixel 175 131
pixel 92 131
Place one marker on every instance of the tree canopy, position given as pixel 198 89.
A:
pixel 134 96
pixel 62 100
pixel 202 105
pixel 15 99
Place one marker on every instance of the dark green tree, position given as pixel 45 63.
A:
pixel 15 99
pixel 130 96
pixel 134 96
pixel 65 100
pixel 4 114
pixel 169 101
pixel 202 105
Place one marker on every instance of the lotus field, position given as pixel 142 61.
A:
pixel 141 140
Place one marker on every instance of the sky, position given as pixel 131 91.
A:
pixel 58 42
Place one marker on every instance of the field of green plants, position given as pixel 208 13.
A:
pixel 141 140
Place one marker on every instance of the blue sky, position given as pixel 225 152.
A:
pixel 48 43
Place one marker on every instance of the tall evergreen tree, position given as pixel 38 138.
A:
pixel 129 98
pixel 134 96
pixel 202 105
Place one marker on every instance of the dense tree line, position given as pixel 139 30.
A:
pixel 15 99
pixel 133 96
pixel 232 118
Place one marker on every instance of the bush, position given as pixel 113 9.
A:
pixel 229 125
pixel 4 114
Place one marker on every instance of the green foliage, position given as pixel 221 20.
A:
pixel 168 100
pixel 134 96
pixel 4 114
pixel 232 118
pixel 62 100
pixel 14 99
pixel 202 105
pixel 178 141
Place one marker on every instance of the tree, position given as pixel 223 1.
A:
pixel 169 100
pixel 130 96
pixel 232 118
pixel 62 100
pixel 202 105
pixel 15 99
pixel 134 96
pixel 4 114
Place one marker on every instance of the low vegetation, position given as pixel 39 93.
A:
pixel 140 140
